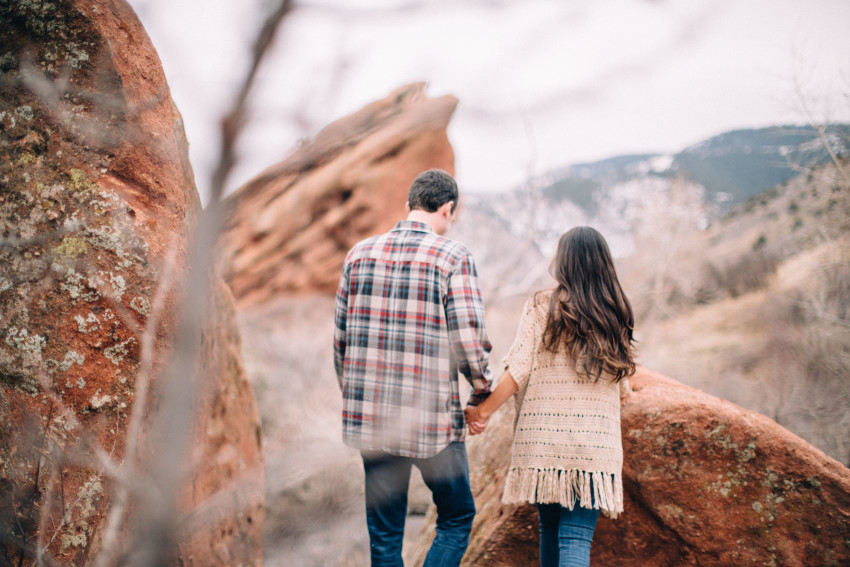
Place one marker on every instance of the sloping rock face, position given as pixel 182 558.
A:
pixel 288 230
pixel 706 483
pixel 97 201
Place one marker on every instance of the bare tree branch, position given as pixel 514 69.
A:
pixel 133 432
pixel 234 120
pixel 173 426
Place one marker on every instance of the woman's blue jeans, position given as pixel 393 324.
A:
pixel 565 535
pixel 387 481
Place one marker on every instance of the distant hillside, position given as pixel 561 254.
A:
pixel 624 195
pixel 744 163
pixel 731 167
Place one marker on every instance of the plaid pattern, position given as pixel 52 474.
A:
pixel 409 317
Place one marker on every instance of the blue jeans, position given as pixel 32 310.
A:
pixel 387 481
pixel 565 535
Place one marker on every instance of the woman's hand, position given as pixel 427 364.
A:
pixel 478 416
pixel 477 423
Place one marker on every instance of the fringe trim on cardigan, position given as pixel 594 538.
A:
pixel 602 491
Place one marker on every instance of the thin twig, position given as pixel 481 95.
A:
pixel 148 349
pixel 14 242
pixel 532 233
pixel 137 413
pixel 233 121
pixel 87 131
pixel 818 126
pixel 45 513
pixel 66 516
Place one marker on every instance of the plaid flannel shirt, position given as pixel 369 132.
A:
pixel 409 317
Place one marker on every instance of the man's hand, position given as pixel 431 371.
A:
pixel 477 424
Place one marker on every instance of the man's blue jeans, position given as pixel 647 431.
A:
pixel 387 480
pixel 565 535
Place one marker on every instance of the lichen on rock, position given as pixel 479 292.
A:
pixel 95 193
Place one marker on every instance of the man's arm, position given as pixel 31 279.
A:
pixel 340 321
pixel 467 332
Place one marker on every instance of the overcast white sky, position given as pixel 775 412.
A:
pixel 542 83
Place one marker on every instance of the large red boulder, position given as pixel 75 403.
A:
pixel 288 229
pixel 97 205
pixel 706 483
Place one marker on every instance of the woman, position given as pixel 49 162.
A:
pixel 571 358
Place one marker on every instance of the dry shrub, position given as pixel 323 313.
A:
pixel 749 272
pixel 662 278
pixel 809 343
pixel 826 317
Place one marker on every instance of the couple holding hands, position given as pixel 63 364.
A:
pixel 409 320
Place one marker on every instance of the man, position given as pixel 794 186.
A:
pixel 409 318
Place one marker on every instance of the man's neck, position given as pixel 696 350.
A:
pixel 431 219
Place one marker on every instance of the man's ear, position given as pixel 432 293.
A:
pixel 407 206
pixel 446 209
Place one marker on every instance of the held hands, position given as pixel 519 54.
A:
pixel 476 422
pixel 478 416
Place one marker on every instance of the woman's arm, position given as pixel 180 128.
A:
pixel 477 416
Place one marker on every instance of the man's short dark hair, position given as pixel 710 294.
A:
pixel 431 190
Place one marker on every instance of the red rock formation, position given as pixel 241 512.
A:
pixel 706 483
pixel 95 192
pixel 288 230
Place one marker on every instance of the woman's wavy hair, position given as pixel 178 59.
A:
pixel 589 313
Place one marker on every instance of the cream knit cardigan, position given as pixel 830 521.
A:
pixel 567 445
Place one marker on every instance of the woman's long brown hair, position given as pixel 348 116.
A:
pixel 589 314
